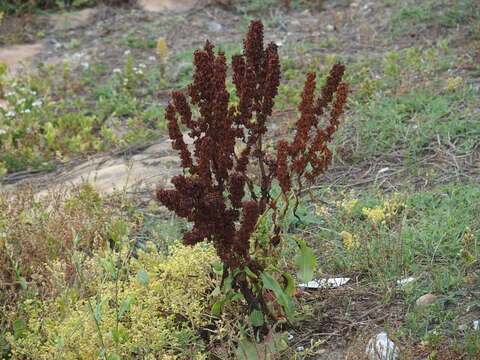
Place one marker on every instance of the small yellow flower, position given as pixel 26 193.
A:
pixel 375 215
pixel 350 242
pixel 453 83
pixel 322 211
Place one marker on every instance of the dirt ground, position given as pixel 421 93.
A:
pixel 359 27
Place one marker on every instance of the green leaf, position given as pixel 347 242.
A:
pixel 256 317
pixel 227 283
pixel 250 273
pixel 217 307
pixel 115 335
pixel 282 298
pixel 98 311
pixel 305 261
pixel 125 306
pixel 142 277
pixel 23 282
pixel 114 357
pixel 109 267
pixel 290 289
pixel 249 351
pixel 18 326
pixel 217 267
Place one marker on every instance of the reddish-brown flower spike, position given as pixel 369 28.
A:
pixel 282 166
pixel 307 117
pixel 176 135
pixel 253 46
pixel 331 85
pixel 250 217
pixel 236 189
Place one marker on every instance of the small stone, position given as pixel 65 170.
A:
pixel 381 348
pixel 330 27
pixel 475 325
pixel 214 26
pixel 305 12
pixel 462 327
pixel 409 279
pixel 354 5
pixel 426 300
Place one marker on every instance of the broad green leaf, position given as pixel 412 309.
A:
pixel 142 277
pixel 114 357
pixel 18 326
pixel 217 267
pixel 256 317
pixel 217 307
pixel 305 261
pixel 282 298
pixel 125 306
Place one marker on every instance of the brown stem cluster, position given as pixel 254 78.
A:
pixel 211 193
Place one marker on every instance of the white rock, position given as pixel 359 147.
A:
pixel 330 27
pixel 475 325
pixel 381 348
pixel 214 26
pixel 325 283
pixel 405 281
pixel 426 300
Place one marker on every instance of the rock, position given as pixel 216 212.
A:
pixel 330 27
pixel 406 280
pixel 475 325
pixel 214 26
pixel 163 5
pixel 381 348
pixel 426 300
pixel 325 283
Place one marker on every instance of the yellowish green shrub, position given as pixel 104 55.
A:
pixel 155 311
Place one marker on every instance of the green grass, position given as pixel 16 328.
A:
pixel 412 16
pixel 432 236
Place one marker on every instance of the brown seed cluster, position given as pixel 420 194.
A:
pixel 211 192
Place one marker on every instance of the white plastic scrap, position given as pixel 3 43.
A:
pixel 405 281
pixel 381 348
pixel 476 325
pixel 325 283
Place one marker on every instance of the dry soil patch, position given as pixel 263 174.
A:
pixel 14 55
pixel 163 5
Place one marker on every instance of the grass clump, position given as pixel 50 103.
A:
pixel 19 7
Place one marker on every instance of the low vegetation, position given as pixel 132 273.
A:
pixel 88 275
